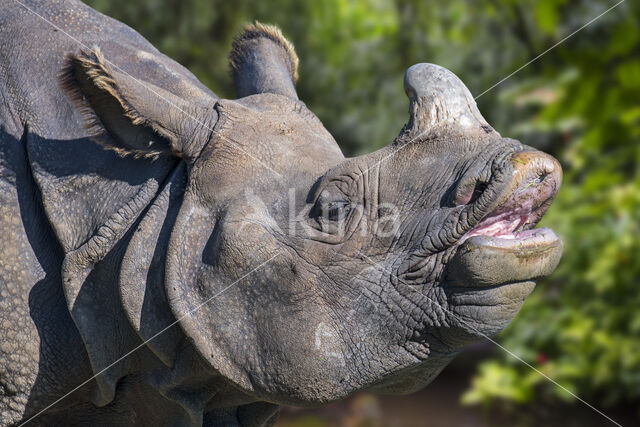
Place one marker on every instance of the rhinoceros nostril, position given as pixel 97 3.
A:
pixel 477 191
pixel 541 177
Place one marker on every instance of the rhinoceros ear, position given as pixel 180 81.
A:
pixel 130 116
pixel 439 100
pixel 263 61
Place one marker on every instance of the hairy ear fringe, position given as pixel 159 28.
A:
pixel 89 65
pixel 271 32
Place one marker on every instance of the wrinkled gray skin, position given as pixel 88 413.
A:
pixel 298 276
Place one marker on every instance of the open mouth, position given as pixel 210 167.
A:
pixel 512 224
pixel 505 246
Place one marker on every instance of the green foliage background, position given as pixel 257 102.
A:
pixel 580 102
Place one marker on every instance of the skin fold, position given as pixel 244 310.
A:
pixel 227 248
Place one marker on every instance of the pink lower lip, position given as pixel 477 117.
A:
pixel 537 237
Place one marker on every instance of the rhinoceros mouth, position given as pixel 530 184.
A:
pixel 513 223
pixel 505 246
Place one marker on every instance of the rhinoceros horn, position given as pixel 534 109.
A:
pixel 439 100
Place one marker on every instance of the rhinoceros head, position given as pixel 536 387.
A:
pixel 302 276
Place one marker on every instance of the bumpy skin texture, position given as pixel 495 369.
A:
pixel 230 243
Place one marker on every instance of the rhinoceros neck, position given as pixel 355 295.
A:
pixel 194 394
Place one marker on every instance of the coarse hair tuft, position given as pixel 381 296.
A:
pixel 256 31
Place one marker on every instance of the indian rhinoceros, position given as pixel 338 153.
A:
pixel 172 258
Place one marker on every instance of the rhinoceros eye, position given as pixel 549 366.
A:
pixel 330 209
pixel 337 211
